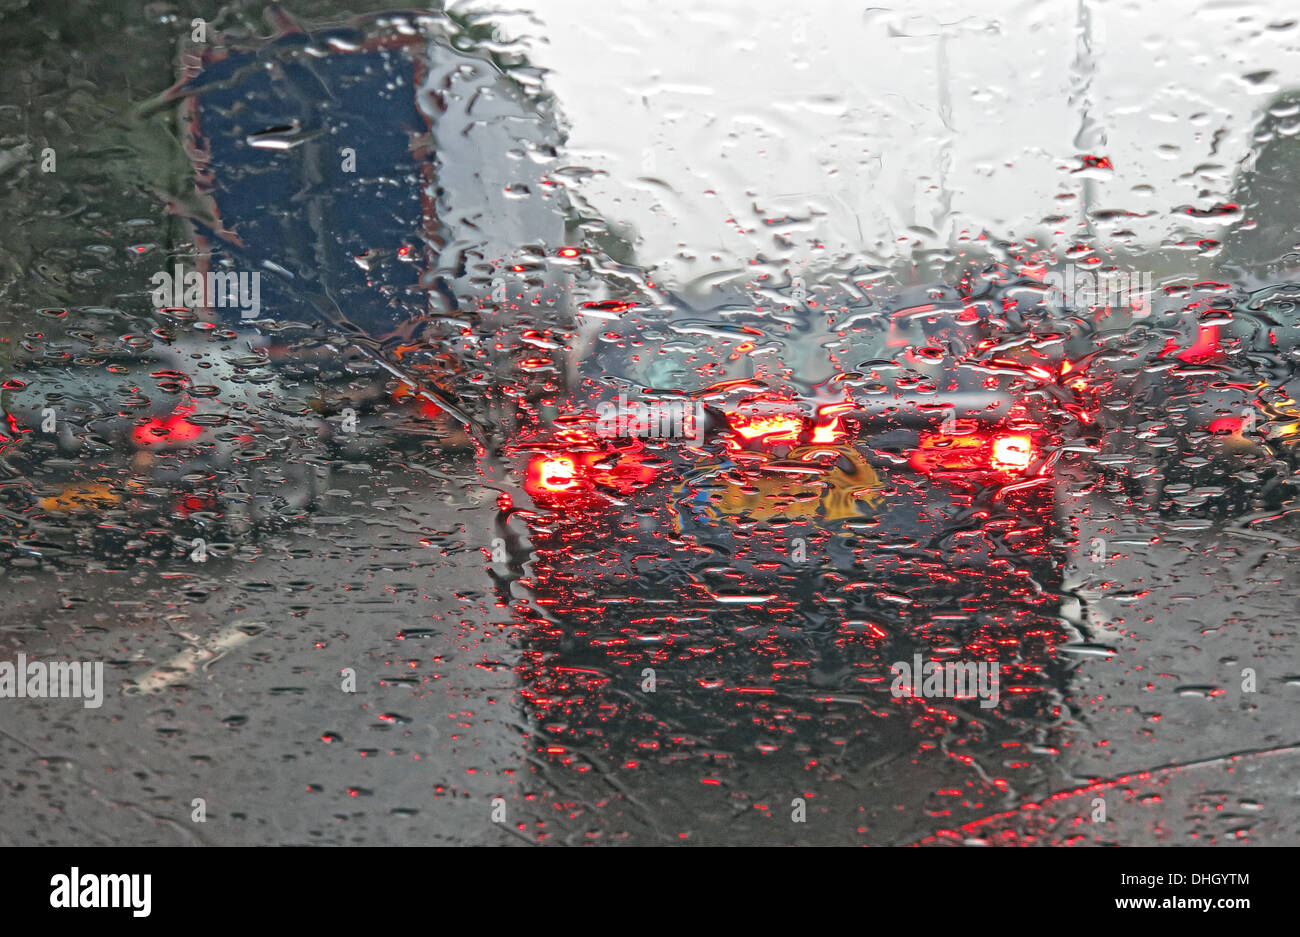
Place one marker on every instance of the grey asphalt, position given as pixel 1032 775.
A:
pixel 225 684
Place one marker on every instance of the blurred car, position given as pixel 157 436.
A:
pixel 1192 403
pixel 1192 382
pixel 891 493
pixel 930 423
pixel 122 453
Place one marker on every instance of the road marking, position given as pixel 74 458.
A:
pixel 205 653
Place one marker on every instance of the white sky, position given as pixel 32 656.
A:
pixel 710 116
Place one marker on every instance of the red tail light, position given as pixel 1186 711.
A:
pixel 1227 425
pixel 167 431
pixel 941 452
pixel 828 429
pixel 427 408
pixel 768 428
pixel 1012 452
pixel 781 422
pixel 1205 347
pixel 969 450
pixel 551 475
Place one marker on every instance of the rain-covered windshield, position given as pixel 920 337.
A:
pixel 655 424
